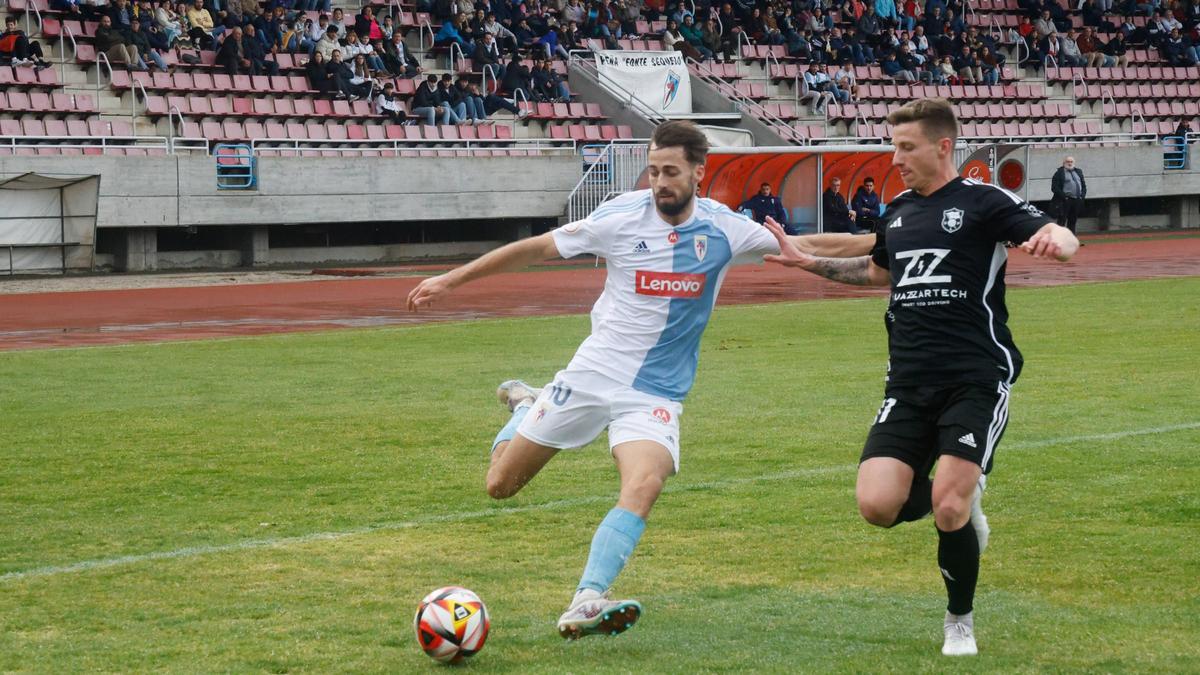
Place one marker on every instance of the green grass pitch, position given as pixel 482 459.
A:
pixel 280 504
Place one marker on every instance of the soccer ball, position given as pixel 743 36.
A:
pixel 451 624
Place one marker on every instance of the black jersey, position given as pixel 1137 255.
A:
pixel 947 321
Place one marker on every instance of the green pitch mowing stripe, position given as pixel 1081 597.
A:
pixel 435 519
pixel 281 503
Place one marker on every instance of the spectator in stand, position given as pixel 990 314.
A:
pixel 1133 33
pixel 892 68
pixel 692 34
pixel 203 32
pixel 319 76
pixel 398 59
pixel 967 67
pixel 766 205
pixel 475 110
pixel 526 37
pixel 885 10
pixel 388 28
pixel 343 77
pixel 367 27
pixel 318 31
pixel 517 80
pixel 71 7
pixel 549 42
pixel 710 36
pixel 730 30
pixel 609 33
pixel 338 21
pixel 866 205
pixel 328 44
pixel 909 62
pixel 571 38
pixel 1179 51
pixel 1114 51
pixel 139 40
pixel 1068 190
pixel 1093 17
pixel 363 74
pixel 492 103
pixel 252 49
pixel 169 23
pixel 843 78
pixel 574 11
pixel 549 85
pixel 629 12
pixel 122 15
pixel 425 102
pixel 1089 48
pixel 1045 26
pixel 446 95
pixel 1069 52
pixel 18 50
pixel 990 65
pixel 503 37
pixel 672 39
pixel 1051 49
pixel 117 46
pixel 944 72
pixel 231 55
pixel 817 87
pixel 837 215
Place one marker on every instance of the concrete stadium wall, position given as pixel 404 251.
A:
pixel 1114 172
pixel 181 191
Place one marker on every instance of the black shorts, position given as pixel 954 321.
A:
pixel 916 425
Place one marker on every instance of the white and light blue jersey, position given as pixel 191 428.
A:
pixel 661 288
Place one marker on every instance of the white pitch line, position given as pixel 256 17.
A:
pixel 279 542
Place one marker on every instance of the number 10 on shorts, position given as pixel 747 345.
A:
pixel 885 410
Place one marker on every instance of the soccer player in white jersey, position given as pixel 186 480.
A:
pixel 667 252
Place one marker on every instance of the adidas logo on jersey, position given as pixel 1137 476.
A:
pixel 968 440
pixel 895 223
pixel 641 248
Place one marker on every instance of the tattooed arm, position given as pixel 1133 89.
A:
pixel 860 271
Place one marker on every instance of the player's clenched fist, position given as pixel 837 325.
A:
pixel 427 291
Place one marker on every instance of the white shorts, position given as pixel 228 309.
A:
pixel 574 408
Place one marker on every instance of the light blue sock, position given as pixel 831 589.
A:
pixel 612 545
pixel 510 429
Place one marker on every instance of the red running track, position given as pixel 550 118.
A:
pixel 75 319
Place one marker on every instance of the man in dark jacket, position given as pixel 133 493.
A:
pixel 450 96
pixel 866 205
pixel 116 45
pixel 1069 190
pixel 487 55
pixel 516 77
pixel 232 53
pixel 425 105
pixel 140 41
pixel 837 214
pixel 253 49
pixel 764 205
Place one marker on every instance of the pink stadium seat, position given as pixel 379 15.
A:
pixel 558 132
pixel 77 128
pixel 242 83
pixel 200 105
pixel 203 82
pixel 122 128
pixel 33 128
pixel 429 133
pixel 304 107
pixel 220 106
pixel 316 131
pixel 243 106
pixel 260 83
pixel 337 132
pixel 575 132
pixel 284 107
pixel 356 132
pixel 209 130
pixel 99 128
pixel 157 81
pixel 11 128
pixel 183 81
pixel 360 109
pixel 255 129
pixel 263 107
pixel 412 133
pixel 156 105
pixel 297 84
pixel 341 108
pixel 394 132
pixel 376 132
pixel 233 130
pixel 56 128
pixel 18 100
pixel 276 131
pixel 488 132
pixel 39 101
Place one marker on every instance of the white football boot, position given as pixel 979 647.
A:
pixel 515 393
pixel 978 520
pixel 960 636
pixel 592 613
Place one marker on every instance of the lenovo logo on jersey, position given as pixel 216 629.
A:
pixel 670 284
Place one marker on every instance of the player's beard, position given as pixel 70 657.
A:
pixel 678 206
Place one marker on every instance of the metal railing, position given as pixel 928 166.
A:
pixel 614 171
pixel 237 167
pixel 1175 152
pixel 451 147
pixel 587 69
pixel 422 28
pixel 743 104
pixel 103 143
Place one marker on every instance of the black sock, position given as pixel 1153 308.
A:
pixel 958 558
pixel 920 501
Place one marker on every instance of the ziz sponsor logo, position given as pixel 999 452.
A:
pixel 670 284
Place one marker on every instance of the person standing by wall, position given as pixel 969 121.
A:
pixel 1069 190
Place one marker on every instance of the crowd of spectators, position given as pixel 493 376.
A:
pixel 1172 27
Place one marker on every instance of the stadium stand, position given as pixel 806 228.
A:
pixel 1030 94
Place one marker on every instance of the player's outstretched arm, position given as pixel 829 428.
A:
pixel 508 258
pixel 860 270
pixel 835 244
pixel 1052 241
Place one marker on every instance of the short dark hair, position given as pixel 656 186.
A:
pixel 682 134
pixel 431 78
pixel 935 116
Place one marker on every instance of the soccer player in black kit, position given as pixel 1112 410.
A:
pixel 952 361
